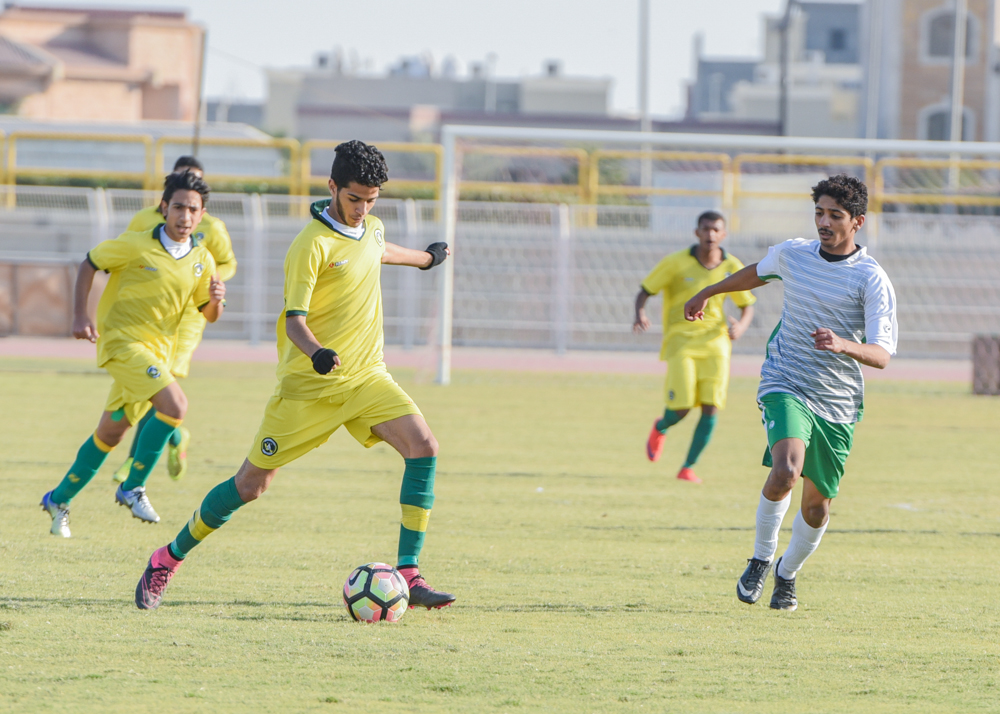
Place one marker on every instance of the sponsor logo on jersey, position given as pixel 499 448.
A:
pixel 150 268
pixel 153 372
pixel 269 447
pixel 670 395
pixel 378 236
pixel 339 263
pixel 198 269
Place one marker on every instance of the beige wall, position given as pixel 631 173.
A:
pixel 923 84
pixel 157 78
pixel 80 99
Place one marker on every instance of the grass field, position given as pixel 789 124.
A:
pixel 588 579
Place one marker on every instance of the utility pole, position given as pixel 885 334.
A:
pixel 874 68
pixel 956 121
pixel 958 70
pixel 645 121
pixel 783 28
pixel 196 139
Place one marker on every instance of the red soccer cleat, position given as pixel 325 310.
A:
pixel 654 444
pixel 687 474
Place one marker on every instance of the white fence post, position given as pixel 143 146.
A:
pixel 98 199
pixel 562 284
pixel 449 218
pixel 256 284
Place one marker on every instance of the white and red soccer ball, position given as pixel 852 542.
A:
pixel 376 592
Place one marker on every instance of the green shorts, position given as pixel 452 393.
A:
pixel 827 444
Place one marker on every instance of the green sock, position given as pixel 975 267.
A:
pixel 217 508
pixel 416 498
pixel 152 442
pixel 702 435
pixel 138 430
pixel 89 459
pixel 669 419
pixel 175 438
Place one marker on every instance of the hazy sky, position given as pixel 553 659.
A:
pixel 590 37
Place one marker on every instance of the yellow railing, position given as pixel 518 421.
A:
pixel 579 189
pixel 288 178
pixel 597 189
pixel 13 171
pixel 945 181
pixel 790 160
pixel 950 192
pixel 307 180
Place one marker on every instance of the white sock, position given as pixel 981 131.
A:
pixel 805 540
pixel 769 515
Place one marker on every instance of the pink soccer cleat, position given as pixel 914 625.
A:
pixel 654 444
pixel 154 580
pixel 687 474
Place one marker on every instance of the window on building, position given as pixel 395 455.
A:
pixel 838 40
pixel 937 124
pixel 941 35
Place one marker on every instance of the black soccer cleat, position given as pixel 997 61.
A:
pixel 751 583
pixel 424 595
pixel 783 597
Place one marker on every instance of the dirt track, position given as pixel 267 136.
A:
pixel 475 358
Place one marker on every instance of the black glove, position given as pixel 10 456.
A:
pixel 323 360
pixel 438 254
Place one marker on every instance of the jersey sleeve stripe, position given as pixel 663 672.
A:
pixel 296 313
pixel 92 263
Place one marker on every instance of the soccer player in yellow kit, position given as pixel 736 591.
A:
pixel 331 373
pixel 211 233
pixel 155 274
pixel 697 353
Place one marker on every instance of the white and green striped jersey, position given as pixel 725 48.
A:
pixel 853 297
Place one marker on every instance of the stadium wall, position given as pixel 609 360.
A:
pixel 548 276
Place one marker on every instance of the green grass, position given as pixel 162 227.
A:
pixel 588 579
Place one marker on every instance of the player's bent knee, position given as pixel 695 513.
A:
pixel 815 515
pixel 783 475
pixel 427 446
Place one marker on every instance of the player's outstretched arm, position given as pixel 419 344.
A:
pixel 323 358
pixel 83 324
pixel 435 254
pixel 641 322
pixel 875 356
pixel 745 279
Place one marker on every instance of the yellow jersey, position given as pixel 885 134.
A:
pixel 680 276
pixel 334 281
pixel 147 293
pixel 211 233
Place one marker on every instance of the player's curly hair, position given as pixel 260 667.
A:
pixel 849 192
pixel 185 181
pixel 357 161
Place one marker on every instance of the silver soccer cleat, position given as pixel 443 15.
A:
pixel 59 513
pixel 138 502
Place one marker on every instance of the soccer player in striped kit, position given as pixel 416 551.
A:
pixel 839 313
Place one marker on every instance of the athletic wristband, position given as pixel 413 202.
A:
pixel 322 360
pixel 438 254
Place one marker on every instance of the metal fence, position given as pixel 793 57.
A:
pixel 551 276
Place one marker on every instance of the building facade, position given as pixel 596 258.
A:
pixel 909 70
pixel 99 64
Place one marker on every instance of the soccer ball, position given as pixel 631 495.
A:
pixel 376 592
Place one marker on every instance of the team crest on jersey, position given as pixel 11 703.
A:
pixel 198 269
pixel 153 372
pixel 199 236
pixel 378 236
pixel 269 447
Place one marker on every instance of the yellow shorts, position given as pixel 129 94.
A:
pixel 294 427
pixel 189 334
pixel 696 381
pixel 139 374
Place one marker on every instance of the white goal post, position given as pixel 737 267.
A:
pixel 452 135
